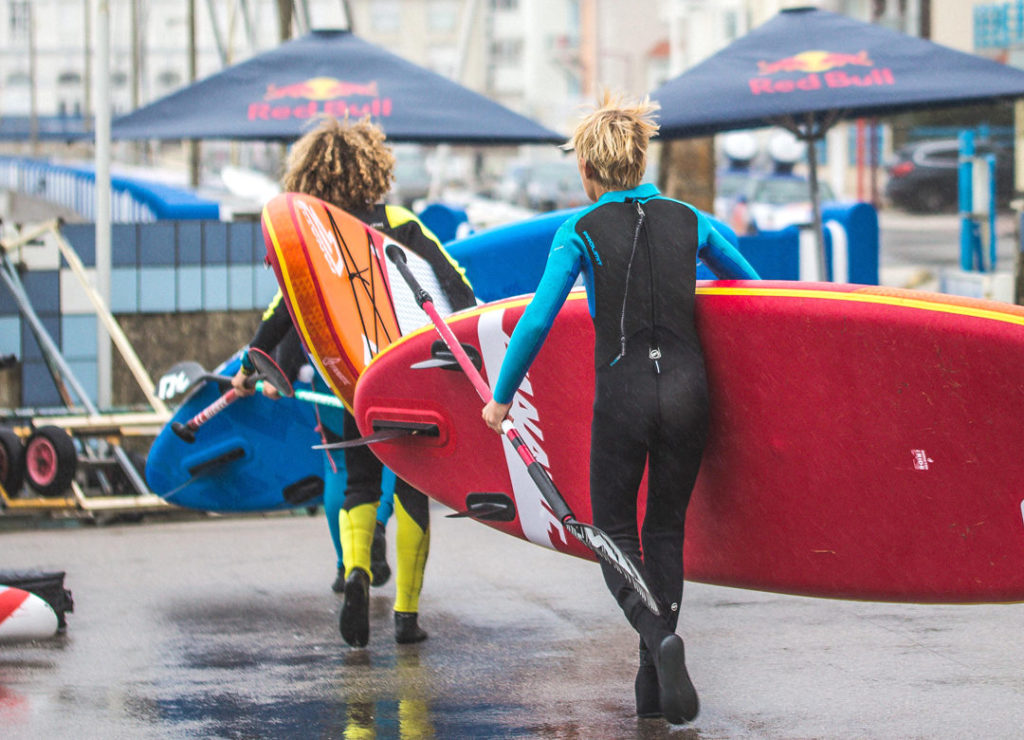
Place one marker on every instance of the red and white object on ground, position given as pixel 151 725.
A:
pixel 25 616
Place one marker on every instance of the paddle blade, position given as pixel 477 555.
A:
pixel 608 551
pixel 181 378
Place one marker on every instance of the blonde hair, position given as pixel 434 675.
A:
pixel 613 140
pixel 346 164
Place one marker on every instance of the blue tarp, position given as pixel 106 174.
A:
pixel 279 94
pixel 809 61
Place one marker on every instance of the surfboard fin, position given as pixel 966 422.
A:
pixel 442 357
pixel 488 507
pixel 385 430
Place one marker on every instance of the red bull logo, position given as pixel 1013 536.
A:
pixel 819 69
pixel 322 88
pixel 322 95
pixel 814 61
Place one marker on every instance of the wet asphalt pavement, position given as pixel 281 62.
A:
pixel 227 628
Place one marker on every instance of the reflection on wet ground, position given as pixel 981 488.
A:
pixel 228 629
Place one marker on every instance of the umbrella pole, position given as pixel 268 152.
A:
pixel 812 176
pixel 809 133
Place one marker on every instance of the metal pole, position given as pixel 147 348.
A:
pixel 812 175
pixel 102 214
pixel 193 144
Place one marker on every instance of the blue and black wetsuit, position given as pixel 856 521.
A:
pixel 637 251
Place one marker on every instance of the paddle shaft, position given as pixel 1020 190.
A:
pixel 536 470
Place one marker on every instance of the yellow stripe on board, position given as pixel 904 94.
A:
pixel 888 300
pixel 298 316
pixel 775 292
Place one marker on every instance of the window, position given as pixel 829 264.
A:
pixel 442 16
pixel 19 17
pixel 169 78
pixel 386 16
pixel 507 51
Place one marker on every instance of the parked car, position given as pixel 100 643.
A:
pixel 769 202
pixel 923 176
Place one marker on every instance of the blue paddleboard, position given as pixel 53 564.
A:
pixel 255 455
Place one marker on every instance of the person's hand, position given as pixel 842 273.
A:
pixel 494 413
pixel 238 383
pixel 271 391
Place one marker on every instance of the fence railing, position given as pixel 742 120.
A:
pixel 74 187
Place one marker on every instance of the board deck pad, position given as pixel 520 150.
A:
pixel 865 442
pixel 338 285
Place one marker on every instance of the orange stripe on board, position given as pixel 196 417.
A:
pixel 287 287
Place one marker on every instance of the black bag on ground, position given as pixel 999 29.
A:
pixel 47 585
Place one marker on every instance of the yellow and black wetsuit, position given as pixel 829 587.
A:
pixel 358 514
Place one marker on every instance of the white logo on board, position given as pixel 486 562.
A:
pixel 921 459
pixel 535 515
pixel 324 239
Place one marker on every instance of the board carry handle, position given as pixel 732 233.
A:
pixel 266 369
pixel 595 539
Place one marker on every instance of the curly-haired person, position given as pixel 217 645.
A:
pixel 350 165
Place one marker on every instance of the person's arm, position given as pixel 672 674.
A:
pixel 718 253
pixel 272 329
pixel 410 232
pixel 560 272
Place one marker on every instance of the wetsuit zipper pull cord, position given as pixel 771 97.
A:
pixel 625 292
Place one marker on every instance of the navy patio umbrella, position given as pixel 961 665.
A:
pixel 807 68
pixel 276 94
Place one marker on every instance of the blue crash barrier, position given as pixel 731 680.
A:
pixel 509 260
pixel 444 220
pixel 851 248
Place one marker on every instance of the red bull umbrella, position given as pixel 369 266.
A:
pixel 807 68
pixel 278 94
pixel 809 63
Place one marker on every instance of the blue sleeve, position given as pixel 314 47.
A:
pixel 718 253
pixel 560 272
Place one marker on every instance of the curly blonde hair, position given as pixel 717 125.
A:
pixel 346 164
pixel 613 140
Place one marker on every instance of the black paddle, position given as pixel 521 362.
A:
pixel 600 543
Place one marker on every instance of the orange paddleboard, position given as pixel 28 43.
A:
pixel 334 277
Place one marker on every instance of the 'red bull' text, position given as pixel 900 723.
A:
pixel 380 107
pixel 815 81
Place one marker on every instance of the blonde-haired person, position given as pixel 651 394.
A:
pixel 637 251
pixel 350 165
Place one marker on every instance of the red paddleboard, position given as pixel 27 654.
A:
pixel 337 285
pixel 25 616
pixel 865 442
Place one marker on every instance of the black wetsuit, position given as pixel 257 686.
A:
pixel 637 252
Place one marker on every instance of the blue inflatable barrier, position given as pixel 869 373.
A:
pixel 509 260
pixel 444 220
pixel 851 248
